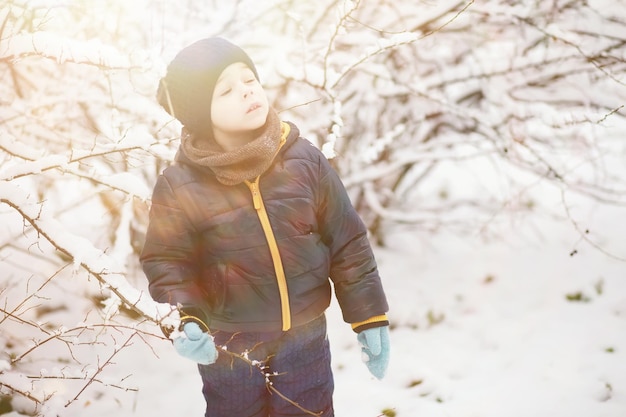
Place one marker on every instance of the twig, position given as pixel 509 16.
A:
pixel 101 368
pixel 304 410
pixel 259 365
pixel 584 234
pixel 80 329
pixel 366 57
pixel 588 58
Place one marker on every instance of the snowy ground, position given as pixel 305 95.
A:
pixel 480 330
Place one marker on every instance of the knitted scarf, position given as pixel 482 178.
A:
pixel 244 163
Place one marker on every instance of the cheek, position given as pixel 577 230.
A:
pixel 261 92
pixel 219 110
pixel 214 114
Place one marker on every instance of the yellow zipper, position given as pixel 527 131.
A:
pixel 271 241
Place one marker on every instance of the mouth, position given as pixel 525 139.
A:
pixel 253 107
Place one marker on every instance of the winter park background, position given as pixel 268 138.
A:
pixel 483 143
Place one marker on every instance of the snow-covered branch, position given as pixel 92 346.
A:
pixel 84 255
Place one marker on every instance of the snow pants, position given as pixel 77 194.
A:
pixel 296 364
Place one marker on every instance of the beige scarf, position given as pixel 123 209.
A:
pixel 244 163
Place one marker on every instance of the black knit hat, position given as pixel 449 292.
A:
pixel 187 88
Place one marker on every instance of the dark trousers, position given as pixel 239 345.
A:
pixel 296 364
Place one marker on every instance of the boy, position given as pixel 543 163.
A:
pixel 246 228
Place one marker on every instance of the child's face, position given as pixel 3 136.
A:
pixel 239 104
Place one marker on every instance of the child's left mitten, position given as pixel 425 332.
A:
pixel 375 349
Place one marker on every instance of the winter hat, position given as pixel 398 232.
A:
pixel 187 88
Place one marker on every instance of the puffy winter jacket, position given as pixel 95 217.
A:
pixel 218 250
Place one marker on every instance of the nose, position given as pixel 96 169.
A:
pixel 246 89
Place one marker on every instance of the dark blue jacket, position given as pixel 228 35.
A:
pixel 207 249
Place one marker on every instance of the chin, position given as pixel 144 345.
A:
pixel 260 120
pixel 258 127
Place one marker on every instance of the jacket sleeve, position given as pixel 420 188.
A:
pixel 354 272
pixel 168 254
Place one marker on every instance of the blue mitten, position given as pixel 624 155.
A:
pixel 375 349
pixel 196 344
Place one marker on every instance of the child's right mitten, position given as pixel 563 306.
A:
pixel 196 345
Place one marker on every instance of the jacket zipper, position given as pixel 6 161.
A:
pixel 259 206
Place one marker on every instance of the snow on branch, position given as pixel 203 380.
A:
pixel 87 257
pixel 35 161
pixel 62 49
pixel 394 41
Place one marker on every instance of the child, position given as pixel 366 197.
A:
pixel 246 228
